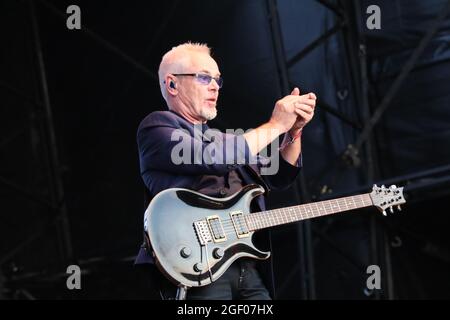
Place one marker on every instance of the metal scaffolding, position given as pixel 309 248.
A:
pixel 349 20
pixel 41 111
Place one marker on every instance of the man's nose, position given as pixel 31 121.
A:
pixel 214 85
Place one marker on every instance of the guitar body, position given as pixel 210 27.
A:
pixel 195 238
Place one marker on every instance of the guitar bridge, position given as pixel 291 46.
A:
pixel 202 230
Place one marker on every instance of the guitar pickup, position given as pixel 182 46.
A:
pixel 216 229
pixel 239 224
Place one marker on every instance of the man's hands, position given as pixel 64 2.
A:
pixel 291 113
pixel 294 111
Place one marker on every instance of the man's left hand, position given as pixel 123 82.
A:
pixel 305 111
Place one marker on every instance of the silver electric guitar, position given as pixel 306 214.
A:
pixel 195 238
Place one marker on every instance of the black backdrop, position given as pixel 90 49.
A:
pixel 102 82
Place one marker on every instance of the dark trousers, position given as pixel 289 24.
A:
pixel 241 281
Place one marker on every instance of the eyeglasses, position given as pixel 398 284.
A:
pixel 203 78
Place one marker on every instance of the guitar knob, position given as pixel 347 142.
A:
pixel 218 253
pixel 185 252
pixel 198 267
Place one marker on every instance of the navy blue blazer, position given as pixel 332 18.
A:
pixel 157 139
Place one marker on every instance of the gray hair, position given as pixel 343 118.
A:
pixel 176 59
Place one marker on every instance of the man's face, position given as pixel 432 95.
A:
pixel 198 99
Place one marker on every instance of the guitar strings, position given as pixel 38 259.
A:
pixel 229 227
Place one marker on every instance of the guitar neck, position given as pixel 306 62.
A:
pixel 270 218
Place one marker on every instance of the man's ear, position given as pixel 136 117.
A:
pixel 171 85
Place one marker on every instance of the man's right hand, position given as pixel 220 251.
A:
pixel 284 115
pixel 283 118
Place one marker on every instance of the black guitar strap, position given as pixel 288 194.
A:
pixel 146 242
pixel 258 179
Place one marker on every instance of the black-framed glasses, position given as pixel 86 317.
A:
pixel 203 78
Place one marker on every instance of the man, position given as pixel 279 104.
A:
pixel 190 82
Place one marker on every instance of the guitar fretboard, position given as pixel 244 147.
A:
pixel 270 218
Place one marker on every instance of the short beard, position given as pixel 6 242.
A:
pixel 208 113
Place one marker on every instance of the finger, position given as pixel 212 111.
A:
pixel 291 99
pixel 312 96
pixel 309 102
pixel 295 92
pixel 304 107
pixel 303 114
pixel 306 117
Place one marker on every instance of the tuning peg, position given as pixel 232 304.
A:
pixel 391 209
pixel 384 213
pixel 399 208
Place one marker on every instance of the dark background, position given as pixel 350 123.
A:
pixel 78 199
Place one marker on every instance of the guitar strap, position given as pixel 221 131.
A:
pixel 258 179
pixel 146 242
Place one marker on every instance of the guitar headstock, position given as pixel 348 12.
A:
pixel 384 198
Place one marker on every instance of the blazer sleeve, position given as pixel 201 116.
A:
pixel 285 174
pixel 175 150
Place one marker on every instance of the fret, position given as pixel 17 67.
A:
pixel 350 202
pixel 353 200
pixel 337 207
pixel 278 216
pixel 292 213
pixel 264 220
pixel 301 211
pixel 304 210
pixel 271 218
pixel 248 220
pixel 312 212
pixel 322 210
pixel 275 217
pixel 268 219
pixel 330 206
pixel 317 213
pixel 343 203
pixel 339 204
pixel 307 213
pixel 326 206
